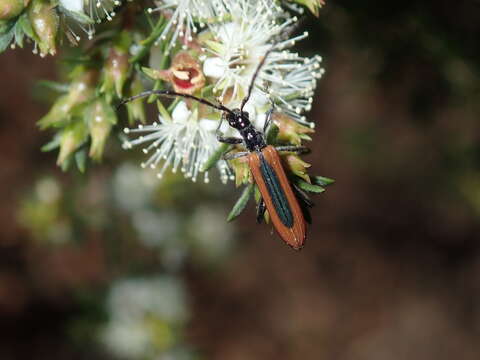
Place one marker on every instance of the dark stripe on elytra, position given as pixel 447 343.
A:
pixel 276 192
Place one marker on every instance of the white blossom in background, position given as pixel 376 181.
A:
pixel 144 314
pixel 132 189
pixel 181 142
pixel 236 48
pixel 186 17
pixel 212 236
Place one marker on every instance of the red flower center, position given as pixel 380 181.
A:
pixel 184 80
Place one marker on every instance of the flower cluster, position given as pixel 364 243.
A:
pixel 209 49
pixel 218 64
pixel 39 22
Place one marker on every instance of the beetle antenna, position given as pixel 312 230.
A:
pixel 255 74
pixel 169 93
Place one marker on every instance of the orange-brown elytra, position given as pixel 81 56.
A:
pixel 280 201
pixel 277 194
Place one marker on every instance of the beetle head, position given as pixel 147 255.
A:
pixel 238 119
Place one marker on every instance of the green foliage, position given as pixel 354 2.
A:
pixel 241 202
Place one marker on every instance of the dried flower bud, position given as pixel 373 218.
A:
pixel 116 71
pixel 297 166
pixel 100 117
pixel 44 21
pixel 71 138
pixel 185 74
pixel 289 130
pixel 80 91
pixel 11 8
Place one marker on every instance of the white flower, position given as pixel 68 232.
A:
pixel 182 141
pixel 132 189
pixel 291 84
pixel 137 309
pixel 101 9
pixel 96 10
pixel 72 5
pixel 235 49
pixel 131 299
pixel 212 236
pixel 185 15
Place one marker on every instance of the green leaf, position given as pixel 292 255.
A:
pixel 173 104
pixel 215 46
pixel 151 73
pixel 26 26
pixel 6 38
pixel 257 195
pixel 302 184
pixel 65 165
pixel 163 112
pixel 305 137
pixel 206 91
pixel 81 160
pixel 322 181
pixel 216 156
pixel 19 34
pixel 147 43
pixel 272 134
pixel 241 203
pixel 6 26
pixel 158 85
pixel 55 86
pixel 52 145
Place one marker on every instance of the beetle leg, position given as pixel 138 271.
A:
pixel 231 156
pixel 261 211
pixel 304 202
pixel 292 148
pixel 223 139
pixel 229 140
pixel 305 212
pixel 301 195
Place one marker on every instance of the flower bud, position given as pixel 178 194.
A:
pixel 116 71
pixel 313 5
pixel 11 8
pixel 71 138
pixel 44 21
pixel 185 74
pixel 289 130
pixel 101 117
pixel 135 108
pixel 80 91
pixel 297 166
pixel 242 171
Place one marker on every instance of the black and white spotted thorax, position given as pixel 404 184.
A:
pixel 253 139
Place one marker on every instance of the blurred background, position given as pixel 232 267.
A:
pixel 113 264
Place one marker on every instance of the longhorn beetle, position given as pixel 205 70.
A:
pixel 278 195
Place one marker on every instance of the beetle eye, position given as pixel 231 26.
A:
pixel 231 120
